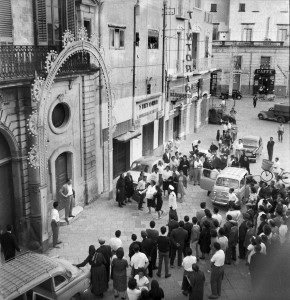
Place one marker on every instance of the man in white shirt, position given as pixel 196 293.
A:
pixel 235 213
pixel 172 198
pixel 233 199
pixel 280 132
pixel 115 242
pixel 239 148
pixel 67 192
pixel 139 260
pixel 217 271
pixel 141 189
pixel 276 167
pixel 217 216
pixel 187 263
pixel 195 144
pixel 55 225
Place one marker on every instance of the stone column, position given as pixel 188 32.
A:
pixel 183 121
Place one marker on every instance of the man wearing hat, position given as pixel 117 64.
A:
pixel 106 251
pixel 172 201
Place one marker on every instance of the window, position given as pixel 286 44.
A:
pixel 215 32
pixel 180 8
pixel 197 3
pixel 60 115
pixel 238 62
pixel 248 34
pixel 282 34
pixel 265 62
pixel 207 17
pixel 58 280
pixel 206 54
pixel 117 38
pixel 242 7
pixel 87 25
pixel 148 88
pixel 6 23
pixel 213 7
pixel 153 39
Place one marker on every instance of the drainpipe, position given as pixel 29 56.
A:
pixel 163 45
pixel 136 12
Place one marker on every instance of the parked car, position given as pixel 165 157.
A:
pixel 280 112
pixel 217 116
pixel 235 94
pixel 219 184
pixel 38 277
pixel 253 145
pixel 145 164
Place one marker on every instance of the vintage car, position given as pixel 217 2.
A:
pixel 217 116
pixel 235 94
pixel 32 276
pixel 145 164
pixel 279 113
pixel 253 145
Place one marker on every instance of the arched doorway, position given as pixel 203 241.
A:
pixel 6 180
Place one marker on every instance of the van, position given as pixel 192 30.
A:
pixel 219 184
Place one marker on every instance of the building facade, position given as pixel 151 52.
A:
pixel 250 37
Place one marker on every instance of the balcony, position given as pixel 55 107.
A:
pixel 247 44
pixel 22 62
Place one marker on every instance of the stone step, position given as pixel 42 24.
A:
pixel 76 211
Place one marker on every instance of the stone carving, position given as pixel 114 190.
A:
pixel 36 88
pixel 67 38
pixel 50 58
pixel 83 34
pixel 32 123
pixel 33 158
pixel 60 97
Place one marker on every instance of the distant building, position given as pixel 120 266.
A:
pixel 250 46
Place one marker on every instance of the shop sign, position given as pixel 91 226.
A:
pixel 189 36
pixel 147 108
pixel 159 114
pixel 265 71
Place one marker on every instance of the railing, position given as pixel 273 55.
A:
pixel 247 44
pixel 22 62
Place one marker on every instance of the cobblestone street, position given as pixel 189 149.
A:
pixel 103 217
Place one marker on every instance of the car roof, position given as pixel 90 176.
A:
pixel 24 272
pixel 251 137
pixel 232 172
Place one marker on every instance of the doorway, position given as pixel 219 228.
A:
pixel 6 179
pixel 176 126
pixel 237 82
pixel 148 139
pixel 61 176
pixel 121 157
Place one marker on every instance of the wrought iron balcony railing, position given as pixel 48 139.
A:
pixel 22 62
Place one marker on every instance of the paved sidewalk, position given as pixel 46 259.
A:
pixel 103 217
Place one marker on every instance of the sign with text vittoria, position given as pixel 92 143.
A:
pixel 192 28
pixel 147 108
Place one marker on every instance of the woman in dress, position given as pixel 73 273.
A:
pixel 151 191
pixel 167 174
pixel 119 274
pixel 120 190
pixel 156 292
pixel 129 187
pixel 174 182
pixel 159 202
pixel 182 184
pixel 98 271
pixel 205 239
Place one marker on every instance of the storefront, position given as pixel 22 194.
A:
pixel 264 81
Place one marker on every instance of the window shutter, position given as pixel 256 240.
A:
pixel 5 20
pixel 41 21
pixel 71 15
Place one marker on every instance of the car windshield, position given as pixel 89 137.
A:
pixel 251 143
pixel 138 167
pixel 71 270
pixel 227 182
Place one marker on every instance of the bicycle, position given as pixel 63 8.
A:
pixel 268 176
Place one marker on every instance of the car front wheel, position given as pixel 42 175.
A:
pixel 280 120
pixel 260 116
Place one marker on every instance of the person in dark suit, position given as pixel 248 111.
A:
pixel 166 157
pixel 188 227
pixel 178 237
pixel 147 247
pixel 9 243
pixel 107 252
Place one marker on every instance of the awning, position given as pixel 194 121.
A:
pixel 129 135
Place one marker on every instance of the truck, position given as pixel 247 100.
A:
pixel 280 112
